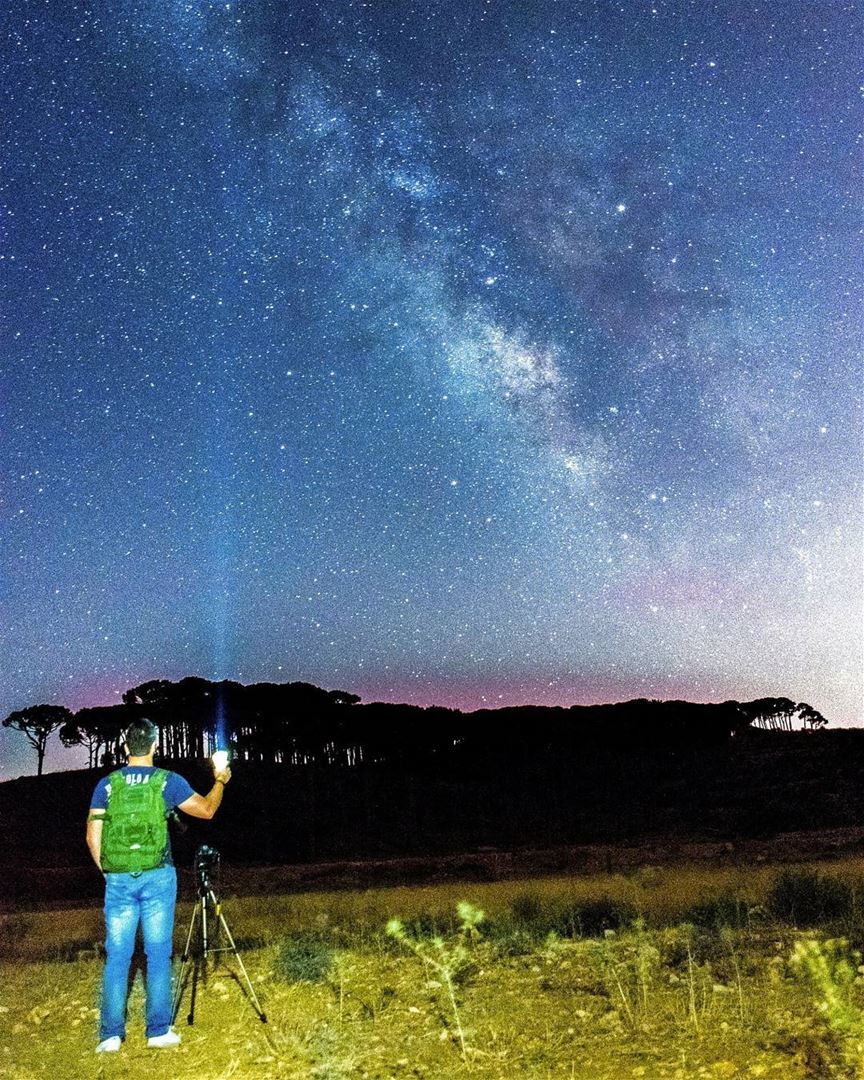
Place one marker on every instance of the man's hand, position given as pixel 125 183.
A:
pixel 223 775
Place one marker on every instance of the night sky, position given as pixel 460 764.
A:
pixel 470 353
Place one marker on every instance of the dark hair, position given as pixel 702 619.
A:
pixel 140 736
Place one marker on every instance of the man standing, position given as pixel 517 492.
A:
pixel 127 834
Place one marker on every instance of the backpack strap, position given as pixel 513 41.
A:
pixel 161 778
pixel 115 777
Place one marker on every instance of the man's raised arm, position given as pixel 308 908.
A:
pixel 205 806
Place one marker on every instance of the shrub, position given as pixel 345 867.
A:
pixel 803 898
pixel 727 910
pixel 512 941
pixel 303 958
pixel 510 935
pixel 532 919
pixel 528 910
pixel 14 929
pixel 592 918
pixel 70 952
pixel 710 948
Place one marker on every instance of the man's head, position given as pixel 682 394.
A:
pixel 140 737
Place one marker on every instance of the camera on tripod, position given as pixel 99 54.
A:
pixel 206 868
pixel 206 913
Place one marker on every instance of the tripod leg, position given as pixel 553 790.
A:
pixel 196 967
pixel 256 1004
pixel 205 945
pixel 178 989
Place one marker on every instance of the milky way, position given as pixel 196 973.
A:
pixel 463 353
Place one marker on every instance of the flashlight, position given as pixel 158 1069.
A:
pixel 220 760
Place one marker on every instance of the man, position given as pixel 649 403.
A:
pixel 127 835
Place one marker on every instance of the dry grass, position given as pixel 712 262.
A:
pixel 547 1014
pixel 661 896
pixel 651 1003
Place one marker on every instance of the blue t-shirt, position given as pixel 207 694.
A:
pixel 176 791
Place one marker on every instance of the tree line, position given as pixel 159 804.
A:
pixel 300 724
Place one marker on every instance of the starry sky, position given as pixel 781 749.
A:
pixel 470 353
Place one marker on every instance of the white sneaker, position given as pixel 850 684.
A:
pixel 109 1046
pixel 170 1038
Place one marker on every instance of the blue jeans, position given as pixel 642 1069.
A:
pixel 149 898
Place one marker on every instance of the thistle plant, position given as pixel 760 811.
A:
pixel 450 960
pixel 833 972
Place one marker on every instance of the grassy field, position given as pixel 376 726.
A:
pixel 662 973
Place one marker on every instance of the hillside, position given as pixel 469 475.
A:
pixel 754 785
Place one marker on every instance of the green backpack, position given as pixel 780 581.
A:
pixel 135 833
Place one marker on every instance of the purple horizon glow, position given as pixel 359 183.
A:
pixel 456 695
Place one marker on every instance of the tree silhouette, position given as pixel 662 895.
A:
pixel 299 724
pixel 74 733
pixel 37 723
pixel 184 712
pixel 291 723
pixel 810 717
pixel 772 714
pixel 777 714
pixel 99 729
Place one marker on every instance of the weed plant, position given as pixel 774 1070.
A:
pixel 529 910
pixel 628 967
pixel 451 961
pixel 833 973
pixel 572 906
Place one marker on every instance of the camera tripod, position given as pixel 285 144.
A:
pixel 207 906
